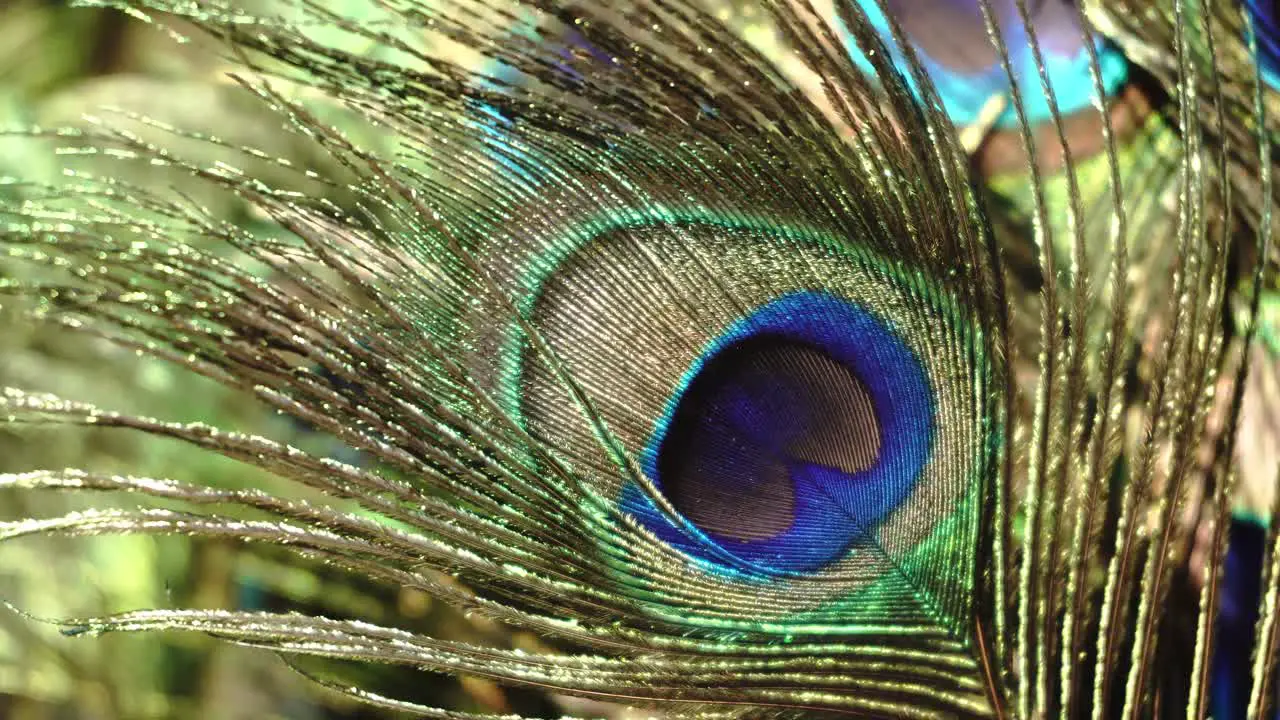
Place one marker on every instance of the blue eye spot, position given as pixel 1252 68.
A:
pixel 792 437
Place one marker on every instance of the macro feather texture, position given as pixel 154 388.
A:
pixel 896 374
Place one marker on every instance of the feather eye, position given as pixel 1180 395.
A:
pixel 787 422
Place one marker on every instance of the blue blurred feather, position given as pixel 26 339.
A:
pixel 964 91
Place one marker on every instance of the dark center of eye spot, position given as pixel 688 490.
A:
pixel 755 411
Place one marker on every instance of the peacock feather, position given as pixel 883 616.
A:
pixel 895 367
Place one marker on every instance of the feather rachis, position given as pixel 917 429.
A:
pixel 1071 409
pixel 1155 576
pixel 1048 358
pixel 1099 461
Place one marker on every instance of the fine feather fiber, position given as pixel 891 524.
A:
pixel 903 359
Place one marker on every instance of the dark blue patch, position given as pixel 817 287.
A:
pixel 1266 28
pixel 1237 620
